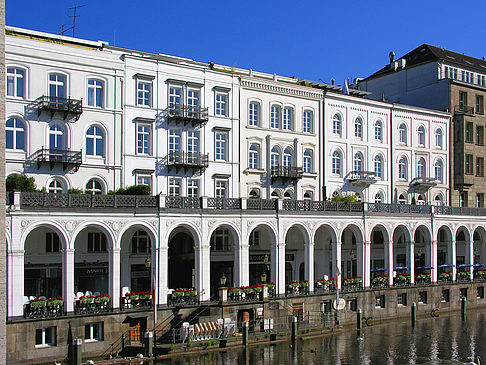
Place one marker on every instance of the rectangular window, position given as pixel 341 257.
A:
pixel 193 142
pixel 93 332
pixel 15 82
pixel 402 299
pixel 352 304
pixel 380 301
pixel 175 97
pixel 192 188
pixel 220 240
pixel 446 296
pixel 462 100
pixel 480 292
pixel 254 239
pixel 45 337
pixel 220 105
pixel 57 86
pixel 463 199
pixel 480 135
pixel 143 179
pixel 95 93
pixel 463 293
pixel 463 75
pixel 96 242
pixel 480 200
pixel 307 122
pixel 144 139
pixel 422 297
pixel 220 188
pixel 469 132
pixel 174 140
pixel 174 187
pixel 52 242
pixel 287 119
pixel 253 114
pixel 144 92
pixel 479 166
pixel 469 164
pixel 479 104
pixel 220 146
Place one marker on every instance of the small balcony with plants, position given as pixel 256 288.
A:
pixel 182 297
pixel 298 288
pixel 352 283
pixel 325 285
pixel 92 304
pixel 137 300
pixel 43 307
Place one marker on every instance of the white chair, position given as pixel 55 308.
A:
pixel 26 300
pixel 42 297
pixel 79 294
pixel 96 293
pixel 89 293
pixel 32 297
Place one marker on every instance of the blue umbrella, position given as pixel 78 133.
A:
pixel 445 265
pixel 463 265
pixel 425 268
pixel 400 268
pixel 478 265
pixel 375 270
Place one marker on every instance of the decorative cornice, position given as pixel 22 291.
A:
pixel 276 88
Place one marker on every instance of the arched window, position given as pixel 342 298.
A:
pixel 56 137
pixel 94 187
pixel 287 158
pixel 288 117
pixel 94 141
pixel 421 168
pixel 402 168
pixel 308 195
pixel 358 128
pixel 307 121
pixel 438 200
pixel 16 82
pixel 438 138
pixel 378 131
pixel 378 167
pixel 15 134
pixel 95 93
pixel 420 200
pixel 336 125
pixel 336 163
pixel 275 117
pixel 274 157
pixel 253 158
pixel 358 162
pixel 287 195
pixel 254 114
pixel 275 195
pixel 308 161
pixel 438 171
pixel 55 187
pixel 402 133
pixel 402 199
pixel 254 193
pixel 421 136
pixel 378 198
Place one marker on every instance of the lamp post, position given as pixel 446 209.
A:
pixel 148 266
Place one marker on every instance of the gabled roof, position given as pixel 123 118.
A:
pixel 427 53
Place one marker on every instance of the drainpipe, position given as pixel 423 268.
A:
pixel 391 157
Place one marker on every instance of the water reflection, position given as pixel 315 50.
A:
pixel 443 340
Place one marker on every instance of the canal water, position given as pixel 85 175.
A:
pixel 443 340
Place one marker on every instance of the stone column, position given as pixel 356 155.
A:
pixel 470 256
pixel 336 265
pixel 278 267
pixel 309 265
pixel 15 289
pixel 163 282
pixel 203 264
pixel 242 264
pixel 411 261
pixel 389 260
pixel 452 258
pixel 366 263
pixel 114 277
pixel 68 279
pixel 433 261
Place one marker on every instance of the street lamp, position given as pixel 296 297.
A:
pixel 222 280
pixel 263 278
pixel 148 265
pixel 351 255
pixel 419 253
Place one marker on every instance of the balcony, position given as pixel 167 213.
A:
pixel 187 161
pixel 187 114
pixel 68 159
pixel 65 106
pixel 361 178
pixel 464 109
pixel 423 183
pixel 286 173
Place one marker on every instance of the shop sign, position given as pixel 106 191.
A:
pixel 92 271
pixel 261 258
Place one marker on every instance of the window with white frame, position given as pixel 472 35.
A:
pixel 220 240
pixel 336 163
pixel 15 134
pixel 220 188
pixel 288 194
pixel 402 199
pixel 307 121
pixel 336 125
pixel 438 200
pixel 274 157
pixel 141 242
pixel 254 114
pixel 287 157
pixel 378 198
pixel 143 179
pixel 438 138
pixel 57 85
pixel 287 119
pixel 402 168
pixel 358 162
pixel 193 142
pixel 378 167
pixel 254 239
pixel 420 200
pixel 175 97
pixel 275 117
pixel 402 133
pixel 220 146
pixel 45 336
pixel 144 139
pixel 193 102
pixel 56 137
pixel 55 187
pixel 421 136
pixel 174 140
pixel 253 157
pixel 438 167
pixel 93 332
pixel 144 92
pixel 308 195
pixel 174 186
pixel 221 103
pixel 254 193
pixel 95 141
pixel 379 131
pixel 192 188
pixel 421 168
pixel 307 161
pixel 95 93
pixel 16 82
pixel 93 186
pixel 358 128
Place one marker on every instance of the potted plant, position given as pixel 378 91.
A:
pixel 55 302
pixel 87 299
pixel 294 284
pixel 271 286
pixel 102 298
pixel 304 283
pixel 37 303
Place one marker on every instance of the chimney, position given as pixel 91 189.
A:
pixel 393 64
pixel 332 82
pixel 402 62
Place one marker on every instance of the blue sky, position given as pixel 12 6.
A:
pixel 317 40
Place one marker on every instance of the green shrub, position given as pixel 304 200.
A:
pixel 19 182
pixel 75 191
pixel 132 190
pixel 348 198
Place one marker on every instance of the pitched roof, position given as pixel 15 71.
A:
pixel 427 53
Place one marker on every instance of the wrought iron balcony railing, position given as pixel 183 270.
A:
pixel 464 109
pixel 53 104
pixel 423 183
pixel 187 114
pixel 286 173
pixel 52 157
pixel 361 178
pixel 187 160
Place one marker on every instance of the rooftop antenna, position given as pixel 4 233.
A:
pixel 74 16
